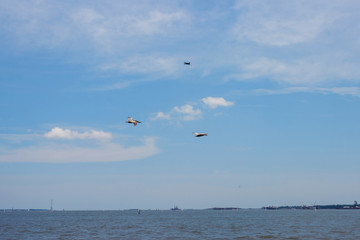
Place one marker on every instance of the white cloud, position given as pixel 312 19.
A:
pixel 187 112
pixel 183 113
pixel 59 133
pixel 104 152
pixel 161 115
pixel 214 102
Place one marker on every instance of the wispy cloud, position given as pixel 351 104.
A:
pixel 149 64
pixel 64 153
pixel 106 24
pixel 353 91
pixel 114 86
pixel 314 70
pixel 283 22
pixel 155 22
pixel 296 43
pixel 18 138
pixel 291 42
pixel 278 32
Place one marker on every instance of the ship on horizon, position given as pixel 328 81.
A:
pixel 175 208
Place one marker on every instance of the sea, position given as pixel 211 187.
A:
pixel 182 224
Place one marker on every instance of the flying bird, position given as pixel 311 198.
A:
pixel 199 134
pixel 133 121
pixel 186 63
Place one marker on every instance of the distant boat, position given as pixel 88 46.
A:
pixel 186 63
pixel 175 208
pixel 270 208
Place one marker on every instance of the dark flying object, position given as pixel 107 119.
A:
pixel 132 121
pixel 186 63
pixel 199 134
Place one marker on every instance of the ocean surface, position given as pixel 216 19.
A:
pixel 187 224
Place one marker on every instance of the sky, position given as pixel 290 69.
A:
pixel 275 85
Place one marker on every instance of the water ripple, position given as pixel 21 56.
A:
pixel 191 224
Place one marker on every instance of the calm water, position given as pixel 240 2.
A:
pixel 188 224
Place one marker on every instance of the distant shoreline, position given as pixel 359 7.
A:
pixel 303 207
pixel 25 210
pixel 316 207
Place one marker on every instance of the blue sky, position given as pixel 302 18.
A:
pixel 275 85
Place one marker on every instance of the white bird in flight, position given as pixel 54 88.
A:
pixel 199 134
pixel 133 121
